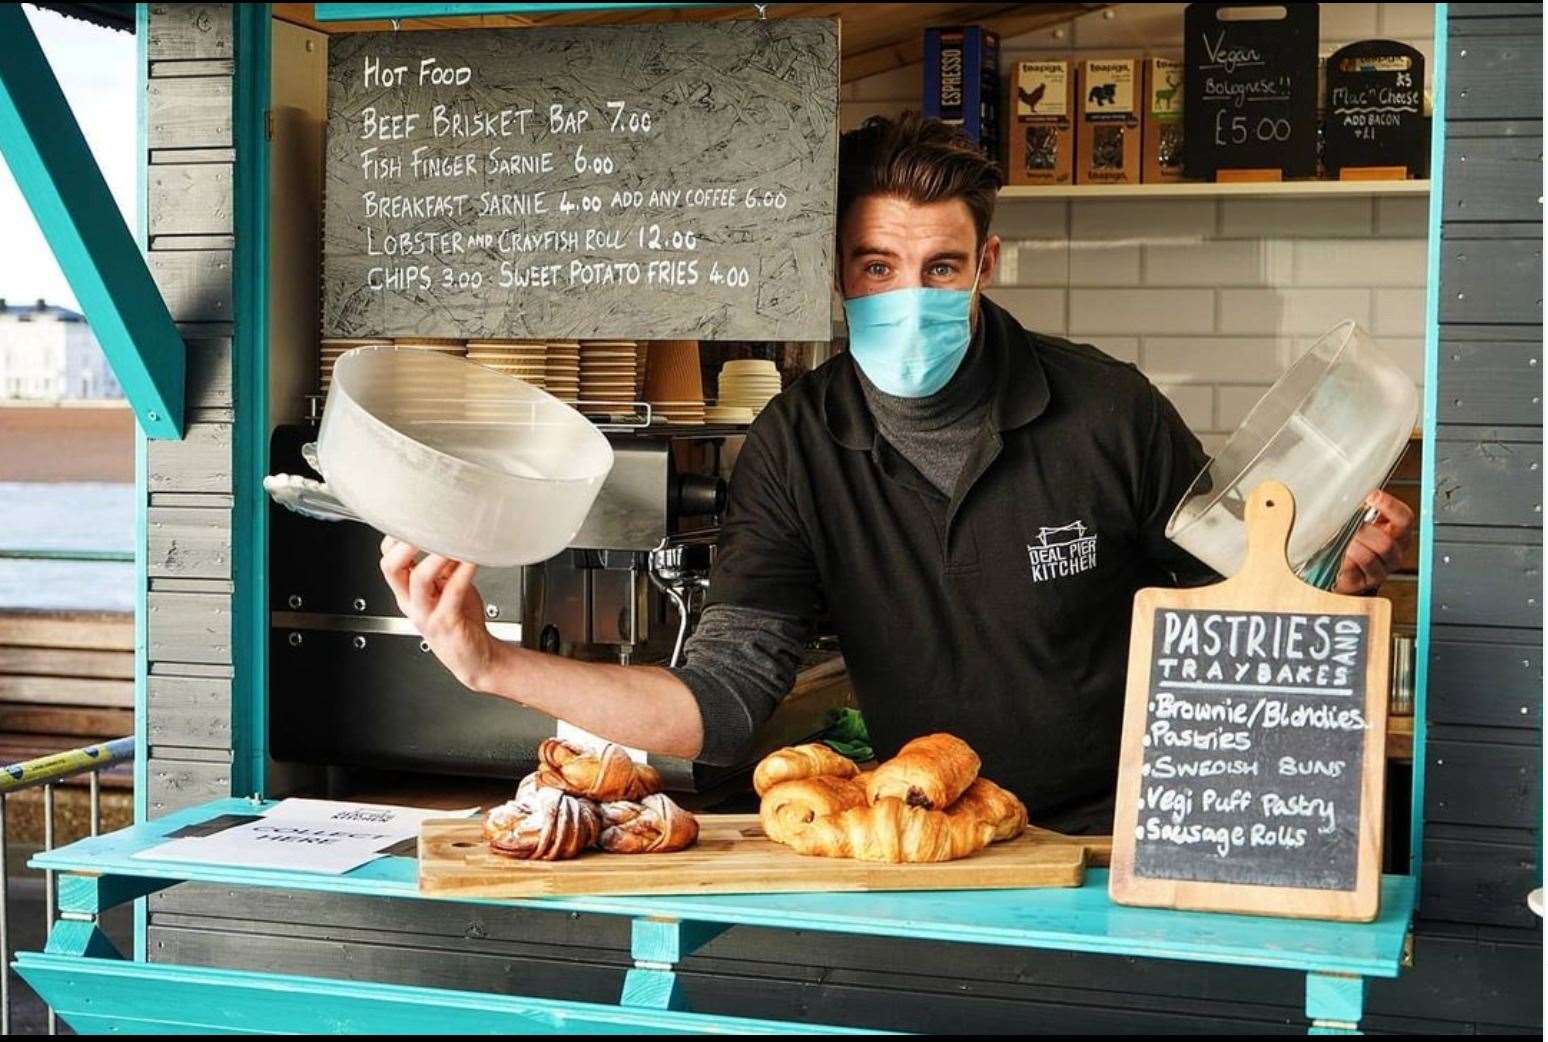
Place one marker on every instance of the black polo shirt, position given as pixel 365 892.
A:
pixel 1000 613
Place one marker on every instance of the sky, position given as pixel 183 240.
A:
pixel 96 69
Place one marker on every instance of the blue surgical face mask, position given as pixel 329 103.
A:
pixel 910 342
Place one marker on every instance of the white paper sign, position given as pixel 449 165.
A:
pixel 304 835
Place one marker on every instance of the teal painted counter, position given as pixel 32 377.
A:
pixel 1337 957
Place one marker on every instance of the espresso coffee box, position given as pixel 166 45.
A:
pixel 1163 119
pixel 962 82
pixel 1041 127
pixel 1107 135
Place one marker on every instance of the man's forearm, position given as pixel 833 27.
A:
pixel 641 706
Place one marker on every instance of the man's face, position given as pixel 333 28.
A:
pixel 889 243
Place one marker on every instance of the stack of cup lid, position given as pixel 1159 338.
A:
pixel 561 374
pixel 746 385
pixel 333 350
pixel 524 359
pixel 607 374
pixel 673 384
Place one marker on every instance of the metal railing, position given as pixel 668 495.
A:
pixel 50 554
pixel 47 772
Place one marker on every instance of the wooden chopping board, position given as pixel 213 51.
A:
pixel 733 856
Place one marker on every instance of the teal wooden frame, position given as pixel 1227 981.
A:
pixel 1335 983
pixel 47 153
pixel 251 49
pixel 1336 958
pixel 403 12
pixel 1431 413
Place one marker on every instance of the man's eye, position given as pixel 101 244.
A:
pixel 941 271
pixel 876 269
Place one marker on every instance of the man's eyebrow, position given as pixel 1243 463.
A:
pixel 948 255
pixel 866 250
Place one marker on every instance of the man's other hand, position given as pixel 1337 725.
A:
pixel 1377 548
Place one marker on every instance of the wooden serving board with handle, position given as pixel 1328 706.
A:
pixel 733 856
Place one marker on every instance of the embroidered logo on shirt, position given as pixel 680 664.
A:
pixel 1063 551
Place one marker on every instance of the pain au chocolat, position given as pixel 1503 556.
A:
pixel 921 810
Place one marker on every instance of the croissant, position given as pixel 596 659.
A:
pixel 655 825
pixel 607 774
pixel 986 801
pixel 929 772
pixel 891 830
pixel 544 824
pixel 813 760
pixel 789 807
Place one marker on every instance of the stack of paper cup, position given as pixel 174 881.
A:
pixel 524 359
pixel 746 386
pixel 333 350
pixel 673 384
pixel 607 373
pixel 440 345
pixel 561 372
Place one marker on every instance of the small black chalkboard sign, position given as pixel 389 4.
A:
pixel 1252 771
pixel 1250 88
pixel 1375 108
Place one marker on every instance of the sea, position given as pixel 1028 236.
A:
pixel 66 516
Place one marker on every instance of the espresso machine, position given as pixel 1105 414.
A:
pixel 353 687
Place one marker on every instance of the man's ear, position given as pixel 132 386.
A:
pixel 991 262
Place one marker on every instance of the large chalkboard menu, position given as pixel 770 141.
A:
pixel 651 181
pixel 1254 737
pixel 1250 88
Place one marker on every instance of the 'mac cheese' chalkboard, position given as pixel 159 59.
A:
pixel 1250 88
pixel 648 181
pixel 1251 778
pixel 1375 108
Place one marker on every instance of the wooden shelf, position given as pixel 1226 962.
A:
pixel 1400 738
pixel 1218 190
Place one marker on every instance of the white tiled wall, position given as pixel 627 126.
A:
pixel 1212 298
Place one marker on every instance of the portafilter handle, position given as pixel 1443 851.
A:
pixel 699 495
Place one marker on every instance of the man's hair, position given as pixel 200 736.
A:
pixel 920 160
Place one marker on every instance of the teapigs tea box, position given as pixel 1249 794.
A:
pixel 1163 133
pixel 1041 128
pixel 1107 141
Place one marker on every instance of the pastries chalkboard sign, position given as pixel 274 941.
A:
pixel 651 181
pixel 1251 777
pixel 1250 89
pixel 1375 108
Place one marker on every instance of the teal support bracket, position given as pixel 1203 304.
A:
pixel 373 12
pixel 93 895
pixel 81 938
pixel 47 154
pixel 658 945
pixel 1335 1002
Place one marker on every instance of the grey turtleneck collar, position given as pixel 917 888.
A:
pixel 935 433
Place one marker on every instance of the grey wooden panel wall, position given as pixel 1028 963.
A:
pixel 190 220
pixel 1483 760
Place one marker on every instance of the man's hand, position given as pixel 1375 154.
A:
pixel 1377 548
pixel 439 598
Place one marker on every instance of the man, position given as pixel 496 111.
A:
pixel 972 505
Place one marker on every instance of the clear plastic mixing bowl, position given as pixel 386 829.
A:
pixel 1331 429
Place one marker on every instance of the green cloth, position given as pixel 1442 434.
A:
pixel 847 736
